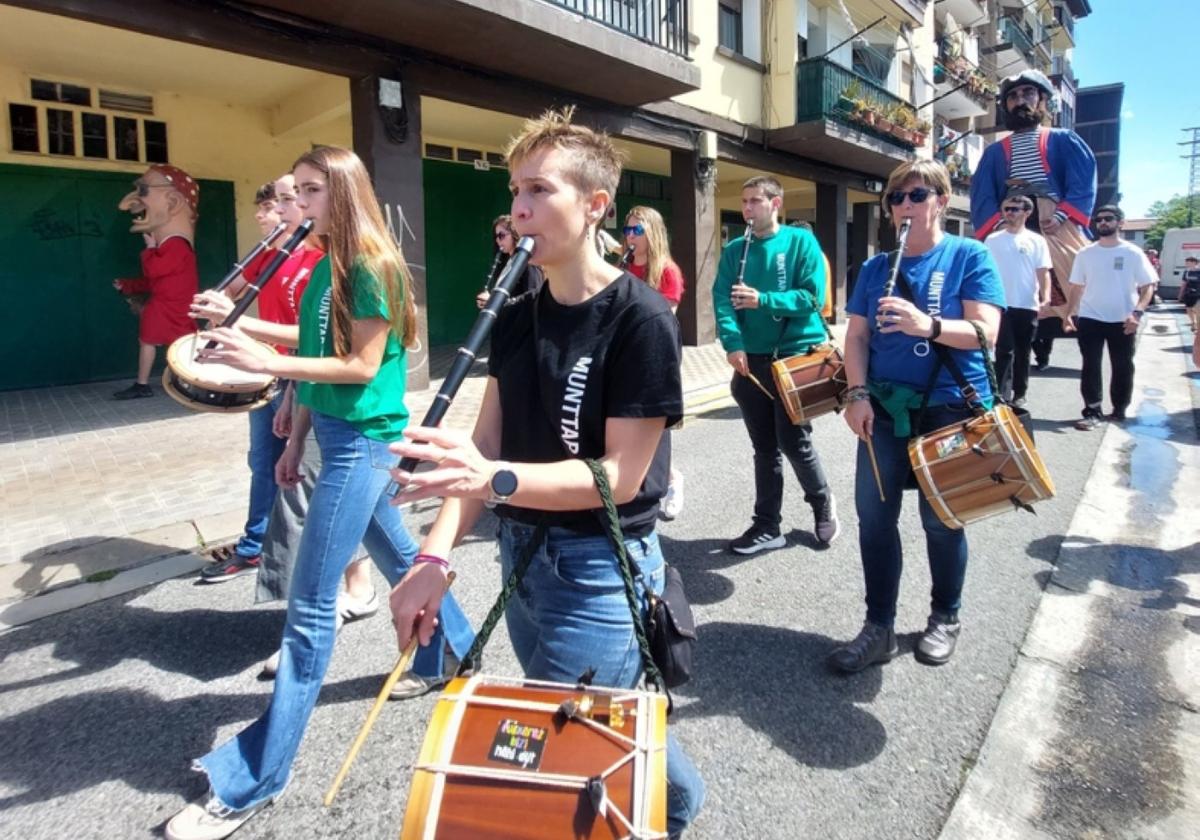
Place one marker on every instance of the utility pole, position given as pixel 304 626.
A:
pixel 1194 170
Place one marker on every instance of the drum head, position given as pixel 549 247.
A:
pixel 181 358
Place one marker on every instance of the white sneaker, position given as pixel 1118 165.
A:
pixel 672 503
pixel 352 609
pixel 208 820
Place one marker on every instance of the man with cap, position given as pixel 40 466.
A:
pixel 164 204
pixel 1056 169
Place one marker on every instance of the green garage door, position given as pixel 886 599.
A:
pixel 63 242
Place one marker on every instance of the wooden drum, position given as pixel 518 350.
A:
pixel 979 467
pixel 811 384
pixel 204 386
pixel 506 758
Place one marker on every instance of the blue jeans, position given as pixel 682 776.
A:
pixel 349 505
pixel 570 613
pixel 878 530
pixel 265 450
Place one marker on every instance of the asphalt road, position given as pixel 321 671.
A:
pixel 102 709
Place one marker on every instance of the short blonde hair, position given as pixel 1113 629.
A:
pixel 931 172
pixel 592 162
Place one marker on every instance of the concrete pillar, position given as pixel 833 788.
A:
pixel 864 233
pixel 694 245
pixel 830 229
pixel 388 139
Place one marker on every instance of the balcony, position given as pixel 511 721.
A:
pixel 965 12
pixel 961 89
pixel 1063 28
pixel 830 128
pixel 626 51
pixel 1014 50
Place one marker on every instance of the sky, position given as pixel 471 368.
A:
pixel 1151 46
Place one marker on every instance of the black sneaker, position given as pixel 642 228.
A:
pixel 828 526
pixel 1116 417
pixel 233 567
pixel 133 392
pixel 873 644
pixel 757 539
pixel 937 642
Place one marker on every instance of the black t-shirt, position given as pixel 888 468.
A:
pixel 1191 281
pixel 529 281
pixel 564 370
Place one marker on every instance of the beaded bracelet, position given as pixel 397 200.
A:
pixel 857 392
pixel 432 558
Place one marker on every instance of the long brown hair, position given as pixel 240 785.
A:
pixel 658 248
pixel 358 235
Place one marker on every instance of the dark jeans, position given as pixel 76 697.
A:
pixel 1048 329
pixel 1017 330
pixel 773 435
pixel 878 530
pixel 1093 336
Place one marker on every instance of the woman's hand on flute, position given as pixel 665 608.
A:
pixel 236 349
pixel 896 314
pixel 210 306
pixel 860 417
pixel 460 470
pixel 415 602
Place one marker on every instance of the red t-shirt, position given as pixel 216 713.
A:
pixel 671 286
pixel 170 277
pixel 279 299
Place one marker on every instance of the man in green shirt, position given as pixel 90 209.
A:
pixel 768 311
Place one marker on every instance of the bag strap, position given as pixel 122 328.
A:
pixel 612 520
pixel 471 660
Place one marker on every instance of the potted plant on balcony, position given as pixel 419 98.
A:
pixel 904 120
pixel 865 111
pixel 850 97
pixel 921 131
pixel 883 119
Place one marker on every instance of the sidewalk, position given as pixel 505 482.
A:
pixel 1098 732
pixel 92 487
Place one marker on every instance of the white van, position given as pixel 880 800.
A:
pixel 1178 244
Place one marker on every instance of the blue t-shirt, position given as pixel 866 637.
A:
pixel 954 270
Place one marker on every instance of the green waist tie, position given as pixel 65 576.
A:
pixel 897 401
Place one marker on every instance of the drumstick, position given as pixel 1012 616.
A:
pixel 754 379
pixel 875 467
pixel 402 664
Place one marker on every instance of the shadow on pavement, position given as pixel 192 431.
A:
pixel 775 681
pixel 54 565
pixel 204 644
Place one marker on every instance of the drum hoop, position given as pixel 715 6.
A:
pixel 174 393
pixel 198 381
pixel 1035 480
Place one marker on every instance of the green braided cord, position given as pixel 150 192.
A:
pixel 653 676
pixel 494 615
pixel 987 360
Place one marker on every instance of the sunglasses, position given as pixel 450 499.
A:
pixel 502 234
pixel 143 189
pixel 1102 219
pixel 917 195
pixel 1014 209
pixel 636 230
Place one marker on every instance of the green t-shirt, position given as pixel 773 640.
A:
pixel 376 408
pixel 789 273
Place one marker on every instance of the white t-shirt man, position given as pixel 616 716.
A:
pixel 1111 276
pixel 1019 256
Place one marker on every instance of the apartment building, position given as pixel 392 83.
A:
pixel 828 95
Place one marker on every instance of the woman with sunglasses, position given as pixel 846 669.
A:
pixel 891 369
pixel 646 233
pixel 356 319
pixel 504 237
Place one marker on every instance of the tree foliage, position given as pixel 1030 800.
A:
pixel 1170 214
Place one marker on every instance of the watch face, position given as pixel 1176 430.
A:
pixel 504 483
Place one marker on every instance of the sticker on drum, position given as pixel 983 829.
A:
pixel 953 443
pixel 518 744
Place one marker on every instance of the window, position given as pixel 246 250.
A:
pixel 58 92
pixel 729 25
pixel 906 80
pixel 469 155
pixel 125 138
pixel 95 135
pixel 801 48
pixel 60 130
pixel 23 125
pixel 156 141
pixel 496 159
pixel 439 152
pixel 873 62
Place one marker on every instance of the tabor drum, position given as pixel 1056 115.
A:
pixel 979 467
pixel 507 758
pixel 812 383
pixel 204 386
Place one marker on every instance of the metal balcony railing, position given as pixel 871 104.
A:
pixel 663 23
pixel 819 85
pixel 1012 33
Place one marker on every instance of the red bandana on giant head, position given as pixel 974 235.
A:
pixel 183 183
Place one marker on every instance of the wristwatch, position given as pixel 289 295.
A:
pixel 935 329
pixel 1138 313
pixel 501 486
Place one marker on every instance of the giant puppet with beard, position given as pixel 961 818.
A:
pixel 1052 166
pixel 164 204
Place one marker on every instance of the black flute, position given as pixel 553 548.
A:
pixel 894 270
pixel 747 237
pixel 470 348
pixel 626 258
pixel 239 267
pixel 487 281
pixel 285 251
